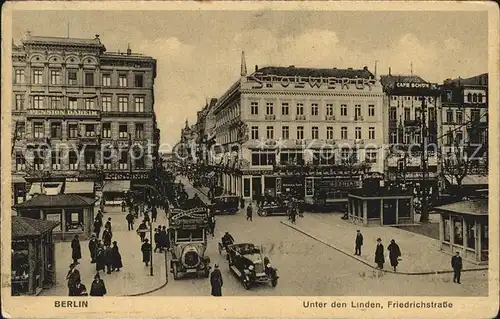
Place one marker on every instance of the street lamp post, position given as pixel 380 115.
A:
pixel 151 253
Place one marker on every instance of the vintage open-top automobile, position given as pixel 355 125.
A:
pixel 225 204
pixel 247 263
pixel 273 207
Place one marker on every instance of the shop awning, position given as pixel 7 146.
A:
pixel 79 188
pixel 48 188
pixel 116 186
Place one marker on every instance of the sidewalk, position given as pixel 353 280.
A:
pixel 202 191
pixel 133 279
pixel 420 254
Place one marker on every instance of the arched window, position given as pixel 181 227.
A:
pixel 474 98
pixel 480 98
pixel 469 97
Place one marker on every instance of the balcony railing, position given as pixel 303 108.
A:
pixel 411 122
pixel 330 117
pixel 300 117
pixel 270 117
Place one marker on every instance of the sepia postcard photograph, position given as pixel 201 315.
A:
pixel 327 159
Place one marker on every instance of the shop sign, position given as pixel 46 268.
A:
pixel 73 113
pixel 72 179
pixel 293 185
pixel 311 82
pixel 126 176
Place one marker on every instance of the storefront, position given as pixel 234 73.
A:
pixel 380 207
pixel 33 260
pixel 291 185
pixel 116 185
pixel 19 190
pixel 463 227
pixel 74 213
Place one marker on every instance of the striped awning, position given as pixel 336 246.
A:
pixel 79 188
pixel 116 186
pixel 47 188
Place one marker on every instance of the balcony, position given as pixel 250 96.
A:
pixel 300 142
pixel 300 117
pixel 270 117
pixel 43 113
pixel 330 117
pixel 411 122
pixel 358 118
pixel 393 124
pixel 331 142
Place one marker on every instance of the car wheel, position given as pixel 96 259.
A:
pixel 263 213
pixel 274 282
pixel 175 271
pixel 246 284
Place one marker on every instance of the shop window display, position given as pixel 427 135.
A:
pixel 471 234
pixel 373 209
pixel 446 230
pixel 458 231
pixel 74 220
pixel 20 268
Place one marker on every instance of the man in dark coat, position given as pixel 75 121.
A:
pixel 130 220
pixel 154 213
pixel 146 252
pixel 456 264
pixel 98 287
pixel 394 253
pixel 97 226
pixel 76 250
pixel 157 240
pixel 80 289
pixel 359 243
pixel 73 277
pixel 93 248
pixel 116 257
pixel 164 241
pixel 242 202
pixel 108 224
pixel 108 259
pixel 99 215
pixel 100 261
pixel 124 206
pixel 249 212
pixel 107 235
pixel 136 210
pixel 216 282
pixel 379 254
pixel 140 230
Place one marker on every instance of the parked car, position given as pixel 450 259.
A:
pixel 226 204
pixel 273 207
pixel 247 263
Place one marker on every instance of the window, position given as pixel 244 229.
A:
pixel 480 98
pixel 55 77
pixel 449 137
pixel 357 111
pixel 459 137
pixel 255 132
pixel 269 108
pixel 20 129
pixel 432 114
pixel 371 156
pixel 300 132
pixel 254 108
pixel 106 103
pixel 56 160
pixel 74 220
pixel 329 109
pixel 323 157
pixel 270 132
pixel 139 80
pixel 73 130
pixel 89 104
pixel 38 161
pixel 449 116
pixel 19 102
pixel 90 130
pixel 123 160
pixel 416 138
pixel 285 110
pixel 107 157
pixel 122 80
pixel 19 76
pixel 122 131
pixel 357 133
pixel 73 103
pixel 139 162
pixel 407 115
pixel 285 132
pixel 458 231
pixel 139 104
pixel 106 130
pixel 90 160
pixel 20 162
pixel 73 160
pixel 393 138
pixel 139 130
pixel 392 113
pixel 72 77
pixel 300 109
pixel 89 79
pixel 469 97
pixel 123 104
pixel 343 132
pixel 407 138
pixel 55 102
pixel 262 157
pixel 346 155
pixel 37 76
pixel 343 110
pixel 474 97
pixel 38 130
pixel 106 79
pixel 371 133
pixel 371 110
pixel 315 133
pixel 460 117
pixel 37 102
pixel 314 109
pixel 474 115
pixel 471 234
pixel 56 130
pixel 291 157
pixel 329 133
pixel 418 114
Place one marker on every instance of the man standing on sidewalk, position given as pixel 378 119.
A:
pixel 249 212
pixel 130 220
pixel 146 252
pixel 456 264
pixel 359 243
pixel 379 254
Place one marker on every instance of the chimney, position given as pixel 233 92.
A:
pixel 243 66
pixel 365 68
pixel 389 70
pixel 129 51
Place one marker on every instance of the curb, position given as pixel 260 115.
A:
pixel 371 266
pixel 152 290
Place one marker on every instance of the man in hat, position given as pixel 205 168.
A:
pixel 456 264
pixel 98 287
pixel 146 252
pixel 359 243
pixel 130 220
pixel 249 212
pixel 97 226
pixel 216 282
pixel 141 230
pixel 76 252
pixel 379 254
pixel 394 254
pixel 108 224
pixel 93 247
pixel 73 277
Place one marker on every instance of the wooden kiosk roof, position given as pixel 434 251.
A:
pixel 56 201
pixel 476 207
pixel 23 227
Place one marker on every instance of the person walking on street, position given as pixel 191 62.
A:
pixel 456 264
pixel 136 210
pixel 100 261
pixel 108 259
pixel 76 250
pixel 394 254
pixel 359 243
pixel 216 282
pixel 242 202
pixel 146 217
pixel 141 230
pixel 107 235
pixel 98 287
pixel 108 224
pixel 146 252
pixel 97 226
pixel 130 221
pixel 154 213
pixel 92 248
pixel 293 214
pixel 379 254
pixel 164 241
pixel 157 236
pixel 249 212
pixel 80 289
pixel 73 276
pixel 124 206
pixel 116 257
pixel 99 215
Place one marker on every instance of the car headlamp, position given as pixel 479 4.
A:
pixel 251 267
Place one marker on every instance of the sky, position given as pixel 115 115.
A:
pixel 199 52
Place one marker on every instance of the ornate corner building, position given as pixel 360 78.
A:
pixel 83 119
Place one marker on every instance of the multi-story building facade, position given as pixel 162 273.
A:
pixel 464 128
pixel 87 116
pixel 412 116
pixel 301 131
